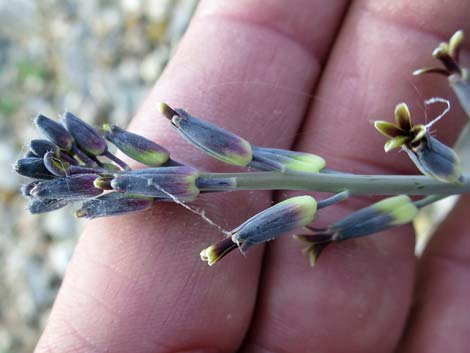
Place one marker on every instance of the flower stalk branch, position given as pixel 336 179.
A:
pixel 334 183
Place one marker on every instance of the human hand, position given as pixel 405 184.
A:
pixel 268 70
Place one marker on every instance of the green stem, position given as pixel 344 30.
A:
pixel 425 201
pixel 335 183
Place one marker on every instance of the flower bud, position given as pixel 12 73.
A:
pixel 32 167
pixel 267 225
pixel 54 131
pixel 37 206
pixel 40 147
pixel 274 159
pixel 436 160
pixel 165 183
pixel 383 215
pixel 287 215
pixel 60 167
pixel 137 147
pixel 74 187
pixel 26 188
pixel 86 137
pixel 30 154
pixel 461 87
pixel 55 165
pixel 113 204
pixel 215 252
pixel 215 141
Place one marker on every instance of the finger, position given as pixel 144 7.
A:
pixel 440 319
pixel 356 298
pixel 135 283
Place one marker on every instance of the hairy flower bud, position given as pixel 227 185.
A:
pixel 55 132
pixel 165 183
pixel 74 187
pixel 86 137
pixel 137 147
pixel 55 165
pixel 40 147
pixel 32 167
pixel 215 141
pixel 113 204
pixel 37 206
pixel 26 188
pixel 267 225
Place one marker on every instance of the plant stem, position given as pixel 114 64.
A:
pixel 425 201
pixel 335 183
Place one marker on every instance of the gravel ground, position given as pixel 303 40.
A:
pixel 97 59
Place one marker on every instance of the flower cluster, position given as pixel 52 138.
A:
pixel 73 164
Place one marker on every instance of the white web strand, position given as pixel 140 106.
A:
pixel 200 212
pixel 446 110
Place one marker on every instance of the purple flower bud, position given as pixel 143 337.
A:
pixel 267 225
pixel 37 206
pixel 54 165
pixel 30 154
pixel 86 137
pixel 114 204
pixel 137 147
pixel 26 188
pixel 164 183
pixel 215 141
pixel 382 215
pixel 281 218
pixel 41 147
pixel 54 131
pixel 61 167
pixel 74 187
pixel 32 167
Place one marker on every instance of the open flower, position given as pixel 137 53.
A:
pixel 430 156
pixel 267 225
pixel 458 76
pixel 448 55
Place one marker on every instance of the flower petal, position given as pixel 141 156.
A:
pixel 402 116
pixel 388 129
pixel 395 142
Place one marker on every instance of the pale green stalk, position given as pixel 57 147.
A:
pixel 334 183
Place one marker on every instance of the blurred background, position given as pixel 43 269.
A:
pixel 97 59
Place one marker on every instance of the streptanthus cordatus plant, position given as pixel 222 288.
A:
pixel 73 164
